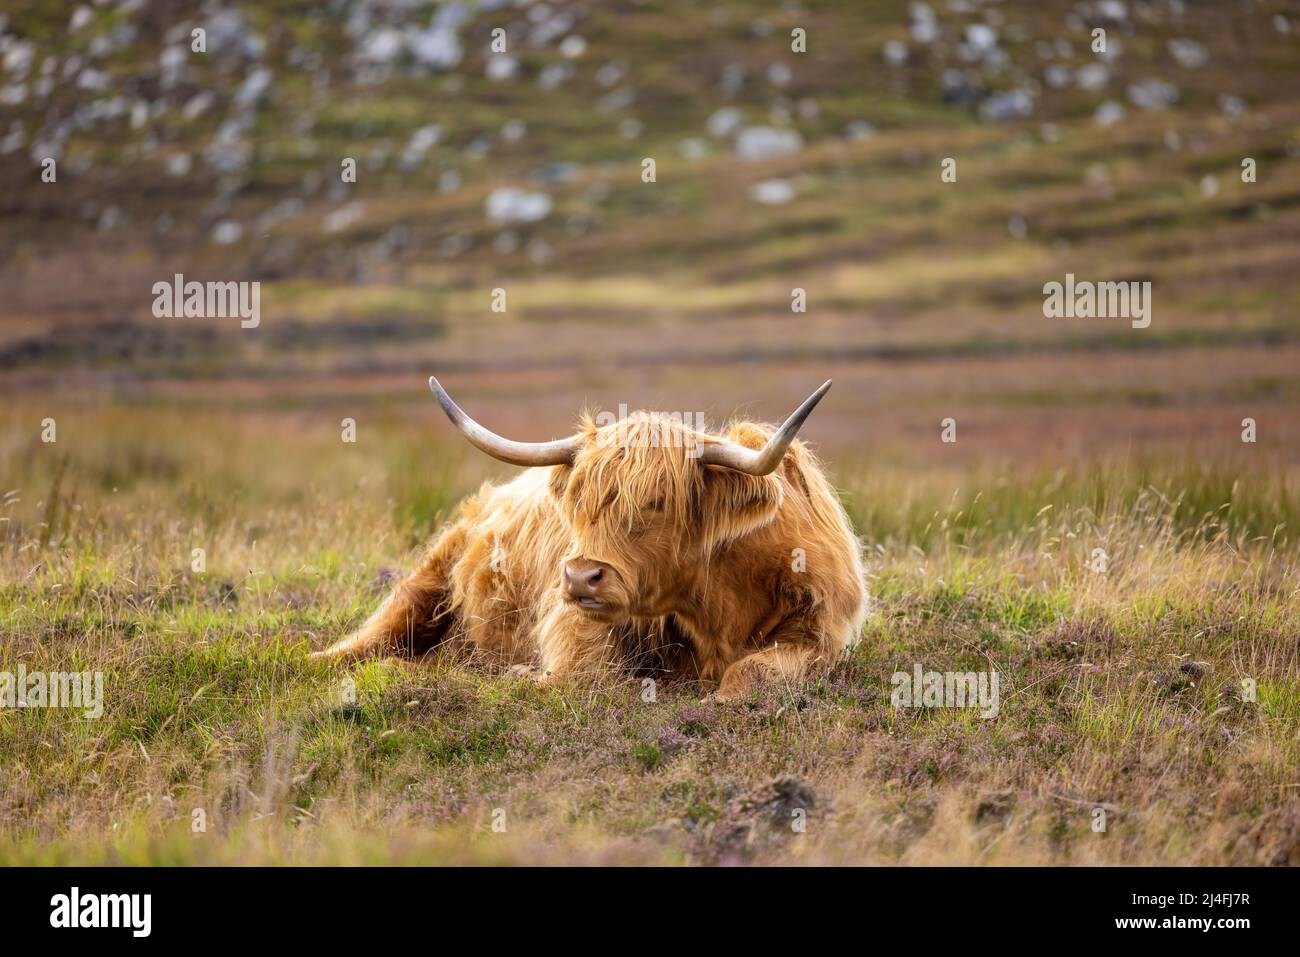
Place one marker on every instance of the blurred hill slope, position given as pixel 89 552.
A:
pixel 775 170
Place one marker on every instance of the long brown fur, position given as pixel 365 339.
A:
pixel 718 575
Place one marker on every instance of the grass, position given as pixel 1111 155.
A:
pixel 1121 690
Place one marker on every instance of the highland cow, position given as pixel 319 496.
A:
pixel 638 545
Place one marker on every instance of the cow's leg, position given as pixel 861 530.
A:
pixel 788 663
pixel 415 617
pixel 793 651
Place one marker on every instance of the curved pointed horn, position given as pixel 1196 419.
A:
pixel 765 460
pixel 558 452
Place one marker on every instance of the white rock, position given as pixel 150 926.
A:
pixel 171 66
pixel 382 46
pixel 437 48
pixel 509 205
pixel 611 73
pixel 724 122
pixel 925 28
pixel 616 100
pixel 340 219
pixel 228 154
pixel 981 38
pixel 18 58
pixel 1007 105
pixel 1056 75
pixel 253 88
pixel 198 104
pixel 421 141
pixel 1092 76
pixel 553 75
pixel 227 34
pixel 767 142
pixel 772 192
pixel 1113 10
pixel 46 149
pixel 14 140
pixel 93 80
pixel 1153 94
pixel 1188 53
pixel 501 67
pixel 226 232
pixel 1109 113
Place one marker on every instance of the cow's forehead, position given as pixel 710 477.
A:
pixel 634 467
pixel 638 429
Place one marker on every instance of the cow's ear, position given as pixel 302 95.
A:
pixel 734 503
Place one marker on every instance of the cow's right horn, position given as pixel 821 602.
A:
pixel 558 452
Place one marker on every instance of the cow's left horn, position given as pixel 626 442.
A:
pixel 765 460
pixel 558 452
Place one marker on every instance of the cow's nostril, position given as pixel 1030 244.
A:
pixel 583 581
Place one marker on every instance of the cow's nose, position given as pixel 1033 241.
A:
pixel 584 580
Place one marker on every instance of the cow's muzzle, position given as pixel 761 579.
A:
pixel 586 583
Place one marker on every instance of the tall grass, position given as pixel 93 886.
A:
pixel 1206 502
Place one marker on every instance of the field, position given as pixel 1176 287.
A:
pixel 1099 534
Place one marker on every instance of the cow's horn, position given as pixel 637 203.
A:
pixel 558 452
pixel 765 460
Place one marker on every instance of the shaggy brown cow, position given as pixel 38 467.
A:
pixel 645 543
